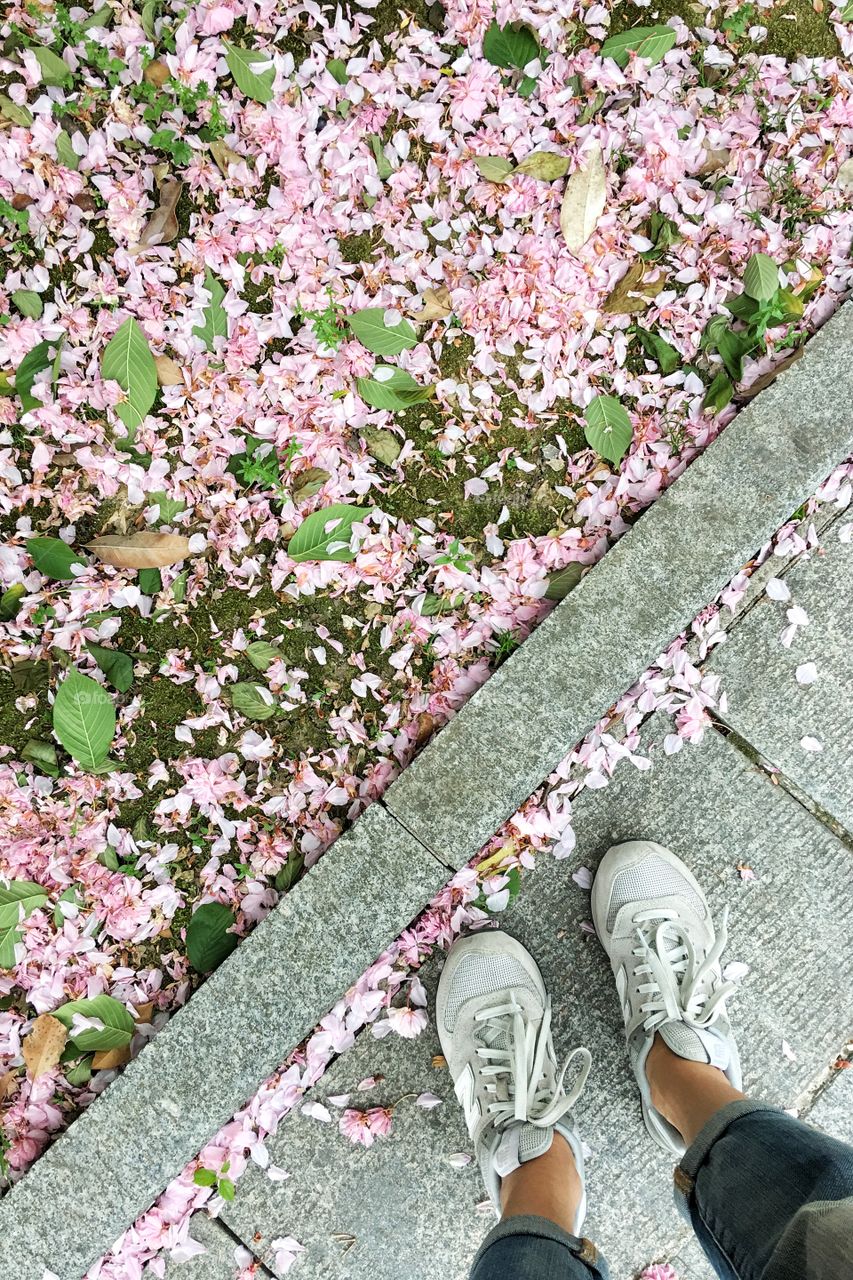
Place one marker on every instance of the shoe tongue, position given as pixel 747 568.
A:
pixel 520 1143
pixel 696 1044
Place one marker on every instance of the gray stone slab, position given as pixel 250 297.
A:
pixel 219 1260
pixel 770 709
pixel 833 1111
pixel 690 1262
pixel 408 1216
pixel 647 589
pixel 239 1026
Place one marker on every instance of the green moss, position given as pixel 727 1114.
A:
pixel 457 350
pixel 358 248
pixel 389 17
pixel 793 28
pixel 810 33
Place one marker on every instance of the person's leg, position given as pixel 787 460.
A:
pixel 494 1022
pixel 769 1198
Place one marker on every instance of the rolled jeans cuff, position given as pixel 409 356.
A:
pixel 524 1224
pixel 696 1154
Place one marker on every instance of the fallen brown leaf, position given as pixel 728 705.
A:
pixel 436 304
pixel 144 1012
pixel 162 226
pixel 633 293
pixel 42 1048
pixel 105 1059
pixel 169 372
pixel 224 155
pixel 583 201
pixel 20 201
pixel 156 73
pixel 715 158
pixel 767 379
pixel 83 200
pixel 8 1081
pixel 426 728
pixel 140 550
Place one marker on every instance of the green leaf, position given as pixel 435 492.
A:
pixel 253 700
pixel 792 305
pixel 846 14
pixel 253 71
pixel 382 445
pixel 716 326
pixel 116 1033
pixel 81 1073
pixel 150 581
pixel 718 394
pixel 65 153
pixel 33 363
pixel 109 858
pixel 208 942
pixel 148 17
pixel 67 895
pixel 179 587
pixel 10 601
pixel 384 166
pixel 656 348
pixel 494 168
pixel 321 534
pixel 215 318
pixel 16 902
pixel 526 86
pixel 646 42
pixel 262 654
pixel 608 428
pixel 127 360
pixel 53 557
pixel 167 507
pixel 204 1178
pixel 562 581
pixel 28 303
pixel 394 389
pixel 761 278
pixel 510 47
pixel 100 18
pixel 84 719
pixel 15 114
pixel 742 307
pixel 372 332
pixel 116 666
pixel 434 605
pixel 337 69
pixel 42 755
pixel 732 348
pixel 286 878
pixel 546 165
pixel 226 1189
pixel 53 70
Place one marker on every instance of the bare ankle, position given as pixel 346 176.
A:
pixel 687 1094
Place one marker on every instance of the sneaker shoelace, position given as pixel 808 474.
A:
pixel 518 1067
pixel 680 986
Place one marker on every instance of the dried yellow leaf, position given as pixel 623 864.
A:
pixel 140 550
pixel 169 372
pixel 42 1048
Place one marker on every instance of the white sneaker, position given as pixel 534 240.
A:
pixel 655 924
pixel 494 1022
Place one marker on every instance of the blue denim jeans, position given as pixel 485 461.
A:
pixel 768 1197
